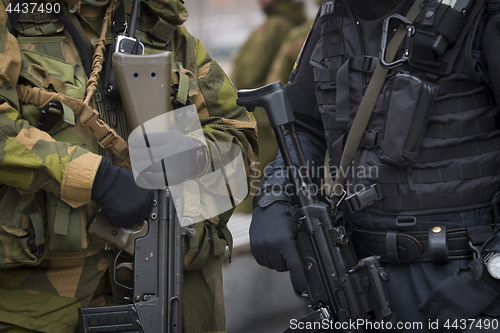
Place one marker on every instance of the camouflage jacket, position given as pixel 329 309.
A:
pixel 47 175
pixel 289 51
pixel 254 59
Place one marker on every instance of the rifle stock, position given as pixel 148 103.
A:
pixel 156 246
pixel 340 287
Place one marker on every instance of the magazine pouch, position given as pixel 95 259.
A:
pixel 407 113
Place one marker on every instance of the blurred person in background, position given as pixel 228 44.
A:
pixel 251 68
pixel 289 51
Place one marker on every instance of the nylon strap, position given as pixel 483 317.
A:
pixel 368 102
pixel 100 45
pixel 105 135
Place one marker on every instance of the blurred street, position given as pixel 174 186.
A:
pixel 257 299
pixel 223 25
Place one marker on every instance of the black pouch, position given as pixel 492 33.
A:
pixel 408 109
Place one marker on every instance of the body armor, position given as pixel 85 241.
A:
pixel 432 143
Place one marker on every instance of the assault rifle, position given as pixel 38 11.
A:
pixel 340 287
pixel 156 247
pixel 157 250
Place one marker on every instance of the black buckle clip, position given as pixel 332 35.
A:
pixel 370 139
pixel 385 33
pixel 48 119
pixel 37 250
pixel 363 198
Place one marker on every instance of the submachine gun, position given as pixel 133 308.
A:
pixel 341 289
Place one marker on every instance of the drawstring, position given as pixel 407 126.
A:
pixel 100 45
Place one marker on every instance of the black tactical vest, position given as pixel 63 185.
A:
pixel 433 141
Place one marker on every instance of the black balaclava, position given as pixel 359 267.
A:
pixel 372 9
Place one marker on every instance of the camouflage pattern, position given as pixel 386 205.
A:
pixel 253 60
pixel 287 55
pixel 251 68
pixel 60 164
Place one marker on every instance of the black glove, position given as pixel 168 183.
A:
pixel 183 157
pixel 460 296
pixel 272 242
pixel 122 201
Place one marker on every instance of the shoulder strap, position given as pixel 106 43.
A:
pixel 105 135
pixel 368 103
pixel 13 16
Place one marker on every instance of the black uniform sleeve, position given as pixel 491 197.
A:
pixel 300 89
pixel 491 53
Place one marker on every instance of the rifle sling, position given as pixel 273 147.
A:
pixel 368 103
pixel 104 134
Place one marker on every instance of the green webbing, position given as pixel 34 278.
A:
pixel 48 29
pixel 368 103
pixel 37 222
pixel 68 115
pixel 183 91
pixel 61 220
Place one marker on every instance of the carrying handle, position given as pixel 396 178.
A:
pixel 272 98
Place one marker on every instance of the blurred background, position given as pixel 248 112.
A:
pixel 248 37
pixel 224 25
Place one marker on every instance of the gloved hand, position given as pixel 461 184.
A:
pixel 272 242
pixel 460 296
pixel 122 201
pixel 183 157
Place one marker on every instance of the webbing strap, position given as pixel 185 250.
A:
pixel 119 20
pixel 105 135
pixel 473 127
pixel 461 104
pixel 343 94
pixel 391 247
pixel 470 171
pixel 370 98
pixel 325 75
pixel 100 45
pixel 457 151
pixel 393 201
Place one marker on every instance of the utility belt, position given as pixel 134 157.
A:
pixel 437 245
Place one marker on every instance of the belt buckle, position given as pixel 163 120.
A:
pixel 47 118
pixel 383 44
pixel 406 221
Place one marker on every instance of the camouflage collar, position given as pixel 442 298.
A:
pixel 173 11
pixel 293 10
